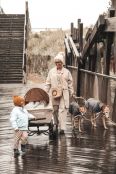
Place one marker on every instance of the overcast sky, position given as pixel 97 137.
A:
pixel 58 13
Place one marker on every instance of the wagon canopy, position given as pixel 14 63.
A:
pixel 36 95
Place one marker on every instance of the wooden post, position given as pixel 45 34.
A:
pixel 79 65
pixel 114 108
pixel 114 6
pixel 109 41
pixel 107 55
pixel 78 90
pixel 72 28
pixel 78 23
pixel 80 35
pixel 114 3
pixel 67 52
pixel 114 105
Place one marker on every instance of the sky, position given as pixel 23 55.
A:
pixel 58 13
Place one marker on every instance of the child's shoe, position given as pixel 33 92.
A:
pixel 62 132
pixel 23 147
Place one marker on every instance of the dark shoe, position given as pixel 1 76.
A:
pixel 23 147
pixel 16 153
pixel 62 132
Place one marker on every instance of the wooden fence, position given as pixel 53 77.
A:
pixel 92 61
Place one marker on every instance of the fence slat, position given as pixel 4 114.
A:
pixel 74 49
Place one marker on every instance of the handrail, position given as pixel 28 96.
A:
pixel 93 73
pixel 67 45
pixel 98 74
pixel 73 67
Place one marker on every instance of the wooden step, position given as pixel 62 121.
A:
pixel 11 47
pixel 13 80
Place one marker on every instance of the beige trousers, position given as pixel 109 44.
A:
pixel 60 115
pixel 20 136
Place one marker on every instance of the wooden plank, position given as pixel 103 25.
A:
pixel 114 51
pixel 89 31
pixel 99 26
pixel 108 45
pixel 114 108
pixel 110 24
pixel 75 32
pixel 114 3
pixel 72 45
pixel 101 21
pixel 72 27
pixel 80 36
pixel 89 43
pixel 67 46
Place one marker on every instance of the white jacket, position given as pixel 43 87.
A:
pixel 66 82
pixel 19 118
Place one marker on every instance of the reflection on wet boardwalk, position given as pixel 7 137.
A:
pixel 92 152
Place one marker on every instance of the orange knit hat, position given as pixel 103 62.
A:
pixel 18 100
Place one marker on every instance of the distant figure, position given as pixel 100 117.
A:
pixel 19 121
pixel 59 82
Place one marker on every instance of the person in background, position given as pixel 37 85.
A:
pixel 19 120
pixel 59 78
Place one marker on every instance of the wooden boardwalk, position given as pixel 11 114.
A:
pixel 93 151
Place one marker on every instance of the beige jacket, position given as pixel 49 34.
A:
pixel 63 77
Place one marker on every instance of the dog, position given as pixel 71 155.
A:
pixel 97 108
pixel 77 112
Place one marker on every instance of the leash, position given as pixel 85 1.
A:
pixel 93 119
pixel 98 115
pixel 113 123
pixel 83 117
pixel 75 97
pixel 86 118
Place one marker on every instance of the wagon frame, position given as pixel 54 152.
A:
pixel 44 118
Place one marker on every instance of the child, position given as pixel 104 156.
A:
pixel 19 121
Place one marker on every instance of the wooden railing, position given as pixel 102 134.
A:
pixel 92 61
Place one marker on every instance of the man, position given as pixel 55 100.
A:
pixel 59 78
